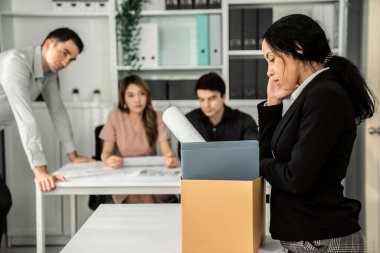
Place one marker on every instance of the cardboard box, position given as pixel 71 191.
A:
pixel 222 216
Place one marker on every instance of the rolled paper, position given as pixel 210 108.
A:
pixel 180 126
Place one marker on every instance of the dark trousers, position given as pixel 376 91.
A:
pixel 5 204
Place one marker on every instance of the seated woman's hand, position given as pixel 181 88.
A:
pixel 171 160
pixel 115 162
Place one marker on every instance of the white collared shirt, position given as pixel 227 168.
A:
pixel 289 101
pixel 21 81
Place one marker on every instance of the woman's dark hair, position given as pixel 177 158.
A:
pixel 64 34
pixel 303 38
pixel 149 114
pixel 211 81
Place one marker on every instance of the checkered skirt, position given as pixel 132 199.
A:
pixel 347 244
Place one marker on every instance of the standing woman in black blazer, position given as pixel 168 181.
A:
pixel 305 147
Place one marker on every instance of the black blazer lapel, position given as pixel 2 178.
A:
pixel 327 74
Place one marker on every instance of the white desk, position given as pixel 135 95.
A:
pixel 142 228
pixel 93 178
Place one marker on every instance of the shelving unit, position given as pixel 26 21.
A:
pixel 167 69
pixel 331 14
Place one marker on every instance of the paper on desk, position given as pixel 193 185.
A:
pixel 139 161
pixel 180 126
pixel 159 173
pixel 73 170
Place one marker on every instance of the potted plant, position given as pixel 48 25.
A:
pixel 128 30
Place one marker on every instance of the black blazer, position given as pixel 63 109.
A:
pixel 304 155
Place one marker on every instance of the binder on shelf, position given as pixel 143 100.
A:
pixel 158 89
pixel 265 19
pixel 250 40
pixel 200 4
pixel 203 39
pixel 215 4
pixel 262 78
pixel 235 29
pixel 236 82
pixel 148 48
pixel 215 21
pixel 178 41
pixel 186 4
pixel 171 4
pixel 181 89
pixel 249 79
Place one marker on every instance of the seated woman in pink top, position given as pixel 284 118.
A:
pixel 134 128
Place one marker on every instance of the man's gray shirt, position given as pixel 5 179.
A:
pixel 22 79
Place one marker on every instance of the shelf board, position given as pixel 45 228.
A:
pixel 245 53
pixel 250 2
pixel 172 68
pixel 54 14
pixel 180 12
pixel 258 53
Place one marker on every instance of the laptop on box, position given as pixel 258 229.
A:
pixel 222 160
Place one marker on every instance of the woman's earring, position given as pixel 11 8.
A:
pixel 125 106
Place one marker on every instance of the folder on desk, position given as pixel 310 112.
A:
pixel 235 29
pixel 265 20
pixel 222 160
pixel 215 21
pixel 203 39
pixel 250 29
pixel 235 82
pixel 249 79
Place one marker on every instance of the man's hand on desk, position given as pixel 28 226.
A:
pixel 45 181
pixel 75 158
pixel 114 162
pixel 171 160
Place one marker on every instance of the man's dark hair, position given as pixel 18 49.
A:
pixel 211 81
pixel 64 34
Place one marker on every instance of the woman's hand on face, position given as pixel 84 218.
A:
pixel 277 93
pixel 171 160
pixel 115 162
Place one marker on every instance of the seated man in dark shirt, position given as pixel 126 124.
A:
pixel 214 120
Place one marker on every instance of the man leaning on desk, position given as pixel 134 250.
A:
pixel 24 74
pixel 214 120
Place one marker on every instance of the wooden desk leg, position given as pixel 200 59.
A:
pixel 73 215
pixel 40 222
